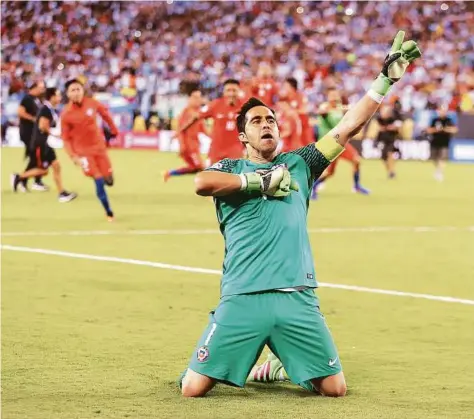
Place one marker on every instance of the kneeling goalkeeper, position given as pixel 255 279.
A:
pixel 268 282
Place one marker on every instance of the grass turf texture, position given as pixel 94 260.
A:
pixel 87 339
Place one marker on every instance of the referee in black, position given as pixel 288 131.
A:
pixel 41 155
pixel 27 112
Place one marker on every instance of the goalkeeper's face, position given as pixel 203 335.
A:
pixel 261 130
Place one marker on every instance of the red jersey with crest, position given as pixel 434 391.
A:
pixel 80 129
pixel 224 138
pixel 264 89
pixel 189 139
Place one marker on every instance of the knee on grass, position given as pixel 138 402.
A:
pixel 196 385
pixel 332 386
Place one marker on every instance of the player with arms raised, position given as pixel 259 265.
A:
pixel 224 137
pixel 84 140
pixel 267 288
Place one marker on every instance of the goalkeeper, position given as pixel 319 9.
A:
pixel 268 282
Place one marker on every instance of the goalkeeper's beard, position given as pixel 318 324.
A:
pixel 266 148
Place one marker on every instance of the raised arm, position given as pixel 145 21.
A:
pixel 395 64
pixel 318 156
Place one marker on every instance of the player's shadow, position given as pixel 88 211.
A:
pixel 256 390
pixel 278 389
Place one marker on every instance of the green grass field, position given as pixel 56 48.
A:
pixel 86 338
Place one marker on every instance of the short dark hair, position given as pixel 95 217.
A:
pixel 50 92
pixel 292 82
pixel 72 81
pixel 231 81
pixel 194 89
pixel 251 103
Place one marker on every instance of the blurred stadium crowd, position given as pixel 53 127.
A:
pixel 147 51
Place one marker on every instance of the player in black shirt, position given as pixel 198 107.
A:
pixel 389 127
pixel 442 129
pixel 27 112
pixel 41 155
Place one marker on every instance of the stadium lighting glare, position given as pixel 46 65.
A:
pixel 60 66
pixel 137 34
pixel 349 11
pixel 169 1
pixel 300 10
pixel 444 6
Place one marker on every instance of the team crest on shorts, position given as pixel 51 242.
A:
pixel 90 112
pixel 202 353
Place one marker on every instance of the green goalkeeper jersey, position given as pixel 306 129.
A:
pixel 266 239
pixel 328 121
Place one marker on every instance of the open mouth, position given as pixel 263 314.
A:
pixel 267 136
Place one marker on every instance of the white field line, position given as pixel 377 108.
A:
pixel 217 272
pixel 328 230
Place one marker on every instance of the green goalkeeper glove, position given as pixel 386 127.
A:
pixel 273 182
pixel 395 64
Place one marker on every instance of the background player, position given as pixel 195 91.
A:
pixel 263 87
pixel 41 155
pixel 224 137
pixel 27 112
pixel 189 139
pixel 442 129
pixel 330 114
pixel 290 127
pixel 84 140
pixel 299 102
pixel 389 128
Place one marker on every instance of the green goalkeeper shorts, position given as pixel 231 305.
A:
pixel 290 323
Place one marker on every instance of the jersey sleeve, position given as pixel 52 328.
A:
pixel 318 156
pixel 224 166
pixel 45 113
pixel 208 110
pixel 107 117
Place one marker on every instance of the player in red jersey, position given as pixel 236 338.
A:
pixel 290 126
pixel 224 137
pixel 263 87
pixel 299 102
pixel 189 139
pixel 84 140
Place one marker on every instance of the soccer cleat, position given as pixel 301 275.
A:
pixel 65 196
pixel 391 175
pixel 166 175
pixel 271 370
pixel 15 181
pixel 39 186
pixel 110 216
pixel 314 193
pixel 361 190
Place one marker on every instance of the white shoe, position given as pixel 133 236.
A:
pixel 39 187
pixel 66 196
